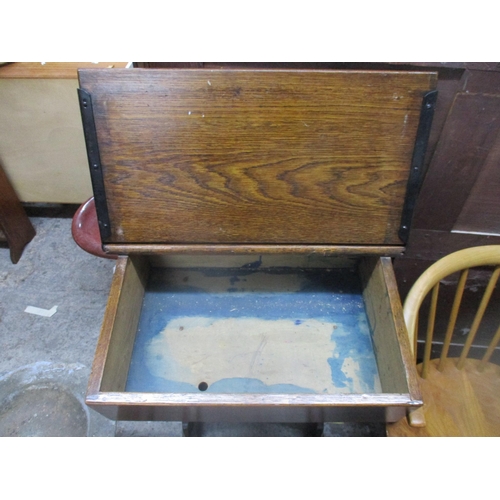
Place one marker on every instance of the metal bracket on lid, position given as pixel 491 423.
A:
pixel 94 163
pixel 417 164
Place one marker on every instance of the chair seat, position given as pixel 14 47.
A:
pixel 85 230
pixel 457 402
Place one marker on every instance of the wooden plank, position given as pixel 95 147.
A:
pixel 395 363
pixel 198 249
pixel 15 225
pixel 482 82
pixel 451 79
pixel 469 133
pixel 481 212
pixel 206 407
pixel 235 156
pixel 249 261
pixel 429 245
pixel 114 348
pixel 53 70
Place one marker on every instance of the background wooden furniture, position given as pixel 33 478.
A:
pixel 41 140
pixel 459 205
pixel 15 227
pixel 461 396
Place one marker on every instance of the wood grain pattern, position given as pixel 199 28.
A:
pixel 250 407
pixel 390 337
pixel 200 249
pixel 457 402
pixel 114 348
pixel 58 70
pixel 235 156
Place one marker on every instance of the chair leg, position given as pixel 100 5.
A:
pixel 416 417
pixel 14 223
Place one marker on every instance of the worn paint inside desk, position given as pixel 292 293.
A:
pixel 251 330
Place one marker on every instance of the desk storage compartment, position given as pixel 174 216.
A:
pixel 240 338
pixel 255 212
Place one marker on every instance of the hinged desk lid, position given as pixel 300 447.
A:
pixel 255 157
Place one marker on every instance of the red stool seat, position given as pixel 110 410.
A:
pixel 85 230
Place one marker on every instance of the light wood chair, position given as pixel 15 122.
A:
pixel 461 395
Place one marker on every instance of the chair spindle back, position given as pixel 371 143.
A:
pixel 462 261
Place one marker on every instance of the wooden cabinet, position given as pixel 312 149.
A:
pixel 459 204
pixel 41 141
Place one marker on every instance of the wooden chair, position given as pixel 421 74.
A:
pixel 461 395
pixel 85 230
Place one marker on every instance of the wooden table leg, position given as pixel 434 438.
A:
pixel 14 223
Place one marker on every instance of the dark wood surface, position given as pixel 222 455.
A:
pixel 459 192
pixel 460 123
pixel 480 213
pixel 269 157
pixel 470 132
pixel 15 226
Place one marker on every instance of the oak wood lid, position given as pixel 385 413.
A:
pixel 254 156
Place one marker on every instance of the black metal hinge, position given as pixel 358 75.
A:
pixel 94 158
pixel 416 176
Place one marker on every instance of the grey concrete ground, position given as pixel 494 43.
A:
pixel 45 362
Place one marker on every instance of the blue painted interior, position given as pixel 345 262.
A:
pixel 331 296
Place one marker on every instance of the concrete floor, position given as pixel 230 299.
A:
pixel 46 361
